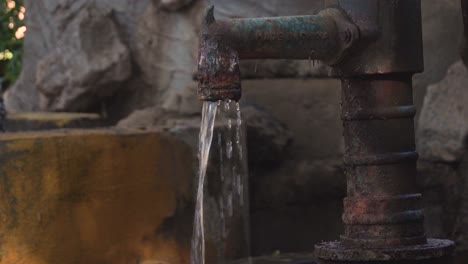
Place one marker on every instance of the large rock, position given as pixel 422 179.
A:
pixel 166 47
pixel 443 125
pixel 89 63
pixel 81 54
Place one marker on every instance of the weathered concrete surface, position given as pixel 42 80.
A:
pixel 443 124
pixel 33 121
pixel 95 196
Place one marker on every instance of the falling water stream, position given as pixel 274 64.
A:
pixel 205 140
pixel 221 127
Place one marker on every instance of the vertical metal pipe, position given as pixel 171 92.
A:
pixel 383 214
pixel 383 207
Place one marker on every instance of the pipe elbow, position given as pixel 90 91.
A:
pixel 326 37
pixel 218 67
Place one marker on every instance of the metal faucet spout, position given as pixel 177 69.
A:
pixel 325 37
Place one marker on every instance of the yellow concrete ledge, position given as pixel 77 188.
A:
pixel 95 197
pixel 27 121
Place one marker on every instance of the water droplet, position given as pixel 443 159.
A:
pixel 229 149
pixel 221 160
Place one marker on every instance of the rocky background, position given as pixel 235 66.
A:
pixel 133 62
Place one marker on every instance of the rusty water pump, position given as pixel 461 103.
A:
pixel 374 47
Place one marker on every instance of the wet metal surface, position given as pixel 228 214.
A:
pixel 380 167
pixel 320 37
pixel 218 67
pixel 383 215
pixel 324 37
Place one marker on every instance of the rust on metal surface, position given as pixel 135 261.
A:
pixel 218 67
pixel 383 214
pixel 395 48
pixel 380 166
pixel 325 36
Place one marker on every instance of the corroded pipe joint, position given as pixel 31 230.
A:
pixel 325 36
pixel 218 72
pixel 218 66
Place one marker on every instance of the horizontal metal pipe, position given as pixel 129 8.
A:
pixel 316 37
pixel 324 37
